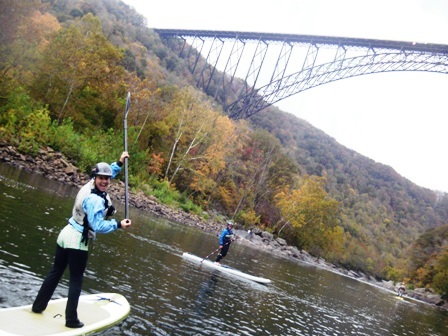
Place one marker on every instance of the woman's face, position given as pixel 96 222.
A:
pixel 102 182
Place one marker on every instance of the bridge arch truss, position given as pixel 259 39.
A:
pixel 273 67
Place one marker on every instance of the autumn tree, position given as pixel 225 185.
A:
pixel 212 159
pixel 311 213
pixel 258 173
pixel 257 157
pixel 256 168
pixel 187 121
pixel 428 256
pixel 144 97
pixel 229 180
pixel 33 37
pixel 440 280
pixel 81 76
pixel 13 14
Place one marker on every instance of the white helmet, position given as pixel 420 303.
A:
pixel 102 169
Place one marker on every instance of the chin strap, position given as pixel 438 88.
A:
pixel 101 194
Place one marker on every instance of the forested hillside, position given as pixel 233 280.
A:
pixel 383 210
pixel 66 66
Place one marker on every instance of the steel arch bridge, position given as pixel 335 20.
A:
pixel 282 65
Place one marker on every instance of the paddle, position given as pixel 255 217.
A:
pixel 214 252
pixel 126 176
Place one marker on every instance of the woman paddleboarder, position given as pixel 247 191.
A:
pixel 89 216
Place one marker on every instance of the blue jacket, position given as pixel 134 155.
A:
pixel 226 236
pixel 93 206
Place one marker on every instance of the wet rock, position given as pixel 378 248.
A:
pixel 388 285
pixel 281 241
pixel 267 236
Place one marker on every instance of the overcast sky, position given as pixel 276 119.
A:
pixel 398 119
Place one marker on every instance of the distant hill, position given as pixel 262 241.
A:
pixel 382 209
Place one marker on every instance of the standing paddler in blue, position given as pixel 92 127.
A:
pixel 89 216
pixel 225 239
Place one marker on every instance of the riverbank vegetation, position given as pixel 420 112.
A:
pixel 65 70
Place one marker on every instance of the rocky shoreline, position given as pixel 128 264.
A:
pixel 53 165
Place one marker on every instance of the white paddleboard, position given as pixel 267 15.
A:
pixel 224 269
pixel 96 311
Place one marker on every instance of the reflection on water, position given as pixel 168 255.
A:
pixel 206 291
pixel 171 296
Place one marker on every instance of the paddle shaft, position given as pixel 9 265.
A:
pixel 215 251
pixel 126 174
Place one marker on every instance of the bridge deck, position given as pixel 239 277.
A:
pixel 308 39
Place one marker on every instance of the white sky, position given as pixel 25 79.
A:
pixel 398 119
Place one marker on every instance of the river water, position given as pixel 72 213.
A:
pixel 171 296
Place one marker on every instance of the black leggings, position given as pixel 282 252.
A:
pixel 223 252
pixel 77 262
